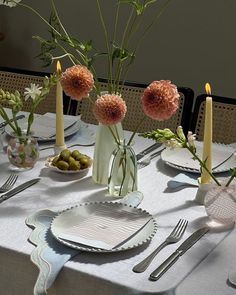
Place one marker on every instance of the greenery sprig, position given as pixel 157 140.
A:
pixel 16 101
pixel 120 49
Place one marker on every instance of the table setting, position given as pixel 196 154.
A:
pixel 167 210
pixel 96 209
pixel 63 214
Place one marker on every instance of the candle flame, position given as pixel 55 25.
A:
pixel 208 88
pixel 58 67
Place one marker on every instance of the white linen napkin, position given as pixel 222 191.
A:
pixel 44 126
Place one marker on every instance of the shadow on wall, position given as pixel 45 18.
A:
pixel 12 47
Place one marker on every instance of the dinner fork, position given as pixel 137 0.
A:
pixel 147 161
pixel 174 237
pixel 9 183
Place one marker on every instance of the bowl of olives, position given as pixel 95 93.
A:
pixel 69 162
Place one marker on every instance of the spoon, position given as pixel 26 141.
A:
pixel 182 180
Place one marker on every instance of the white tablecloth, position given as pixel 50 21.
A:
pixel 202 270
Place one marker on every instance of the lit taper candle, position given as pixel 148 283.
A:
pixel 60 140
pixel 207 141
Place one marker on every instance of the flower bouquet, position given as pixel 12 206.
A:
pixel 159 101
pixel 22 149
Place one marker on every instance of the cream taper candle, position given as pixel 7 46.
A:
pixel 60 141
pixel 207 141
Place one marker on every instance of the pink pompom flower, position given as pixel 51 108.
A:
pixel 109 109
pixel 160 100
pixel 77 82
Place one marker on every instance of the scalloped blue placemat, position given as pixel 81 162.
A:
pixel 50 255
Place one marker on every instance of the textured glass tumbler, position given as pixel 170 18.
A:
pixel 220 205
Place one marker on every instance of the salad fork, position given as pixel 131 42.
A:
pixel 9 183
pixel 147 161
pixel 174 237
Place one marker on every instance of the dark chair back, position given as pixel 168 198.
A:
pixel 224 118
pixel 131 93
pixel 16 79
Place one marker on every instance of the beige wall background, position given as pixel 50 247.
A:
pixel 194 42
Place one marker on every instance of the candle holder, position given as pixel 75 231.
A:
pixel 59 148
pixel 203 189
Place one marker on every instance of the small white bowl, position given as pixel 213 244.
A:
pixel 54 168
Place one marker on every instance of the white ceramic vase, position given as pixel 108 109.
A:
pixel 104 146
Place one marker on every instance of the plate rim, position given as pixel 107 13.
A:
pixel 49 139
pixel 197 171
pixel 100 250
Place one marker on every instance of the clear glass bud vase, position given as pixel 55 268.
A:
pixel 122 171
pixel 104 146
pixel 23 152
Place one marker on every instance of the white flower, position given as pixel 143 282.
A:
pixel 32 92
pixel 9 3
pixel 173 143
pixel 191 138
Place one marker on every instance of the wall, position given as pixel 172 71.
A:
pixel 193 42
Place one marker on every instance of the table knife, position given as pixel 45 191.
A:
pixel 188 243
pixel 223 162
pixel 3 124
pixel 18 189
pixel 148 150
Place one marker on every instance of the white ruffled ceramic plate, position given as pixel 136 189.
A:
pixel 67 133
pixel 88 222
pixel 54 168
pixel 181 159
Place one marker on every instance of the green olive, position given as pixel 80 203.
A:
pixel 54 161
pixel 62 165
pixel 65 155
pixel 76 154
pixel 85 162
pixel 74 165
pixel 70 160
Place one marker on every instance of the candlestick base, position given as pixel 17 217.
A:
pixel 203 188
pixel 59 148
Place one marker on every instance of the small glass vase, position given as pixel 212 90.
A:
pixel 23 152
pixel 220 205
pixel 123 171
pixel 104 146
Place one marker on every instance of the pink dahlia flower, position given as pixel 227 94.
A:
pixel 109 109
pixel 77 82
pixel 160 100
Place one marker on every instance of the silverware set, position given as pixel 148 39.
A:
pixel 9 183
pixel 146 161
pixel 4 124
pixel 9 191
pixel 175 236
pixel 72 145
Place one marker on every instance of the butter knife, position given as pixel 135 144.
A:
pixel 3 124
pixel 188 243
pixel 18 189
pixel 148 150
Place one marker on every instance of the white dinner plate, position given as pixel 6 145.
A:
pixel 79 217
pixel 67 133
pixel 181 158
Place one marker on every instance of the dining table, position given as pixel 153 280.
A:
pixel 202 270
